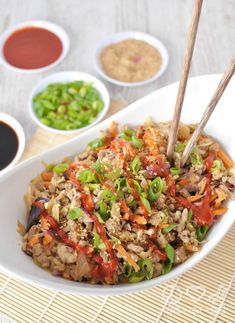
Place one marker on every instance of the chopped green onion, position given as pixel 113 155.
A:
pixel 98 166
pixel 216 167
pixel 169 228
pixel 174 171
pixel 98 243
pixel 145 203
pixel 135 165
pixel 146 267
pixel 180 147
pixel 190 215
pixel 49 167
pixel 127 134
pixel 201 232
pixel 87 176
pixel 195 157
pixel 170 252
pixel 137 143
pixel 107 195
pixel 96 143
pixel 167 266
pixel 114 174
pixel 155 189
pixel 68 106
pixel 94 187
pixel 103 210
pixel 127 269
pixel 60 168
pixel 75 214
pixel 136 277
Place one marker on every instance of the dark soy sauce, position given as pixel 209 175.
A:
pixel 8 144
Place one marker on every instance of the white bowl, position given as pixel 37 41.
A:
pixel 160 105
pixel 64 77
pixel 115 38
pixel 15 125
pixel 54 28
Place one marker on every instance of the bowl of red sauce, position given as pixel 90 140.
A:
pixel 33 46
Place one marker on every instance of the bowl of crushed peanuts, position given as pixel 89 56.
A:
pixel 131 58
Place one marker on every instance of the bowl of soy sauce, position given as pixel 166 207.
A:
pixel 12 141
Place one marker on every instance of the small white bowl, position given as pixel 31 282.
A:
pixel 54 28
pixel 64 77
pixel 15 125
pixel 115 38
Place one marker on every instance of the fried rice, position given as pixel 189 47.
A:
pixel 120 212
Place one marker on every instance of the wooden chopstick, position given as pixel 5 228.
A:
pixel 184 76
pixel 210 108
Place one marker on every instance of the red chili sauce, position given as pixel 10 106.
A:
pixel 32 48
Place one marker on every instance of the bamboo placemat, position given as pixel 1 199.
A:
pixel 206 293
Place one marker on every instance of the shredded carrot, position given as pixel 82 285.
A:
pixel 47 176
pixel 163 225
pixel 138 219
pixel 194 198
pixel 34 240
pixel 183 181
pixel 213 197
pixel 47 239
pixel 127 257
pixel 220 211
pixel 228 163
pixel 113 129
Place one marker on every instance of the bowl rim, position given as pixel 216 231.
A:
pixel 69 75
pixel 51 26
pixel 16 126
pixel 91 290
pixel 117 37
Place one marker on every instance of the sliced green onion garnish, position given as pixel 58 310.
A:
pixel 137 143
pixel 146 267
pixel 98 243
pixel 135 165
pixel 216 167
pixel 87 176
pixel 201 232
pixel 169 228
pixel 127 269
pixel 170 252
pixel 60 168
pixel 96 143
pixel 75 214
pixel 190 215
pixel 167 266
pixel 174 171
pixel 136 277
pixel 145 203
pixel 155 189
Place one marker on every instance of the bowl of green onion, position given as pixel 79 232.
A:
pixel 68 102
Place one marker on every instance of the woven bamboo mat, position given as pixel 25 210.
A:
pixel 206 293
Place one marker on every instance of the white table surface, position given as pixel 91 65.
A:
pixel 89 21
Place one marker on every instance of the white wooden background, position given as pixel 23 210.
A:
pixel 89 21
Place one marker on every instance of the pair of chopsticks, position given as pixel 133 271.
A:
pixel 182 87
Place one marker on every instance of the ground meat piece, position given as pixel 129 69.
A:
pixel 66 254
pixel 161 202
pixel 157 269
pixel 182 221
pixel 134 248
pixel 82 267
pixel 40 255
pixel 180 255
